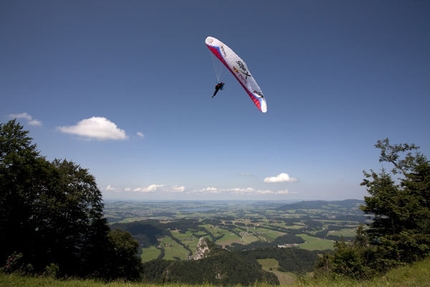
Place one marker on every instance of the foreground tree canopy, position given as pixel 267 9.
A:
pixel 399 206
pixel 51 214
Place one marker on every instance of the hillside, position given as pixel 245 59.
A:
pixel 348 204
pixel 407 276
pixel 171 230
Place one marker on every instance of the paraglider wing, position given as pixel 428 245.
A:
pixel 239 69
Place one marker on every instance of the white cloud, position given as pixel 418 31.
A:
pixel 96 127
pixel 35 123
pixel 30 120
pixel 210 190
pixel 153 187
pixel 150 188
pixel 283 177
pixel 266 191
pixel 110 187
pixel 139 134
pixel 178 188
pixel 284 192
pixel 251 191
pixel 242 190
pixel 21 116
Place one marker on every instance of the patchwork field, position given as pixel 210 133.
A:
pixel 235 225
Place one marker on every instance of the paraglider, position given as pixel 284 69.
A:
pixel 218 87
pixel 239 69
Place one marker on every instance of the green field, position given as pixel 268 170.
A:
pixel 150 253
pixel 271 265
pixel 230 224
pixel 187 239
pixel 173 250
pixel 315 243
pixel 345 232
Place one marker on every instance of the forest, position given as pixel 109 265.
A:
pixel 53 222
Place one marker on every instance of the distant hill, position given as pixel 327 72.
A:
pixel 352 204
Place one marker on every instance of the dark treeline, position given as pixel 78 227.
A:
pixel 51 217
pixel 290 259
pixel 220 267
pixel 230 267
pixel 147 232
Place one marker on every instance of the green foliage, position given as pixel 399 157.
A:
pixel 400 208
pixel 15 264
pixel 221 267
pixel 353 259
pixel 51 213
pixel 123 261
pixel 147 232
pixel 52 270
pixel 294 260
pixel 22 173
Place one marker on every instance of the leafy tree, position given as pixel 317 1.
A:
pixel 51 214
pixel 122 260
pixel 77 214
pixel 24 175
pixel 400 206
pixel 356 258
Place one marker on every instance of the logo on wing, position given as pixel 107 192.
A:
pixel 243 69
pixel 223 51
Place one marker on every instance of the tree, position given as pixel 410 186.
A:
pixel 356 258
pixel 122 260
pixel 400 206
pixel 51 215
pixel 24 175
pixel 77 214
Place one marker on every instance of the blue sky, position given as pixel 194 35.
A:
pixel 123 88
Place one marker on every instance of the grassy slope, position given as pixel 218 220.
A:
pixel 408 276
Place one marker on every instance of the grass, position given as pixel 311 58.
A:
pixel 186 238
pixel 315 243
pixel 345 232
pixel 269 235
pixel 173 249
pixel 415 275
pixel 271 265
pixel 150 253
